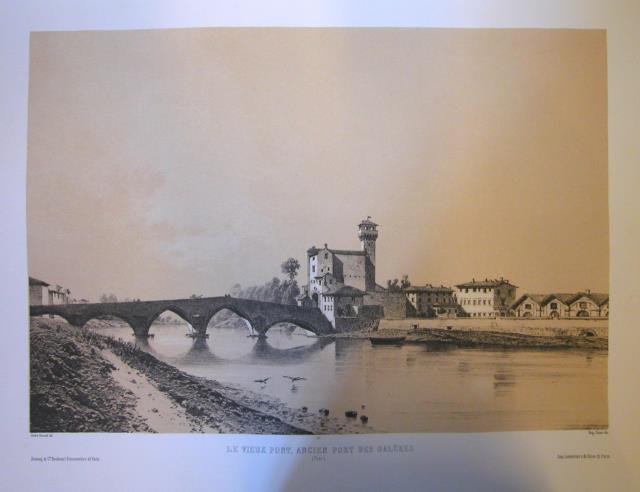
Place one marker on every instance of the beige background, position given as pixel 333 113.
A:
pixel 168 162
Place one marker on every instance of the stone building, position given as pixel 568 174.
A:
pixel 429 300
pixel 338 279
pixel 562 305
pixel 42 293
pixel 38 292
pixel 341 302
pixel 330 271
pixel 486 298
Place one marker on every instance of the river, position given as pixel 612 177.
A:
pixel 412 388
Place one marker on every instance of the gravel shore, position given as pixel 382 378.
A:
pixel 71 386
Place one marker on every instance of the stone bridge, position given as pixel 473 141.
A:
pixel 197 312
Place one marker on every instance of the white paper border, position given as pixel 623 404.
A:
pixel 493 461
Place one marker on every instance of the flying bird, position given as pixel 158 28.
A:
pixel 294 379
pixel 262 381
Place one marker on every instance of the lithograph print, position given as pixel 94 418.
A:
pixel 318 230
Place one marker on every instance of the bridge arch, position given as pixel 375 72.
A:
pixel 238 312
pixel 100 317
pixel 181 313
pixel 293 321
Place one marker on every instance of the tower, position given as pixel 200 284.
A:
pixel 367 233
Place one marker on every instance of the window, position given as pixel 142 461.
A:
pixel 527 306
pixel 326 255
pixel 313 268
pixel 554 305
pixel 583 305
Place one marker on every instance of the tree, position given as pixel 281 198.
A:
pixel 290 267
pixel 275 290
pixel 396 285
pixel 405 282
pixel 290 292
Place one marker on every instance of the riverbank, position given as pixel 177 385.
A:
pixel 598 327
pixel 71 386
pixel 82 381
pixel 486 338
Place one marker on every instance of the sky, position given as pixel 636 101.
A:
pixel 166 163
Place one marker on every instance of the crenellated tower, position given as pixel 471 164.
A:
pixel 368 233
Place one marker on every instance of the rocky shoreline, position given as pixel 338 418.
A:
pixel 73 390
pixel 71 387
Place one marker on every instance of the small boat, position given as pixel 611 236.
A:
pixel 388 340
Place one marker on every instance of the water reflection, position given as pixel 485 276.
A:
pixel 198 354
pixel 409 388
pixel 264 351
pixel 439 347
pixel 143 344
pixel 503 380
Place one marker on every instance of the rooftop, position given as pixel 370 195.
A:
pixel 428 288
pixel 565 298
pixel 312 251
pixel 487 282
pixel 344 291
pixel 368 221
pixel 35 281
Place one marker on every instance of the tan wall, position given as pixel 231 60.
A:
pixel 354 270
pixel 35 295
pixel 589 306
pixel 534 311
pixel 394 304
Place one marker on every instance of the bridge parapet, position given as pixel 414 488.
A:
pixel 197 312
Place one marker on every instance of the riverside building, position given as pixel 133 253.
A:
pixel 486 298
pixel 430 300
pixel 43 293
pixel 562 305
pixel 338 279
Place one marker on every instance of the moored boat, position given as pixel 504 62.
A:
pixel 387 340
